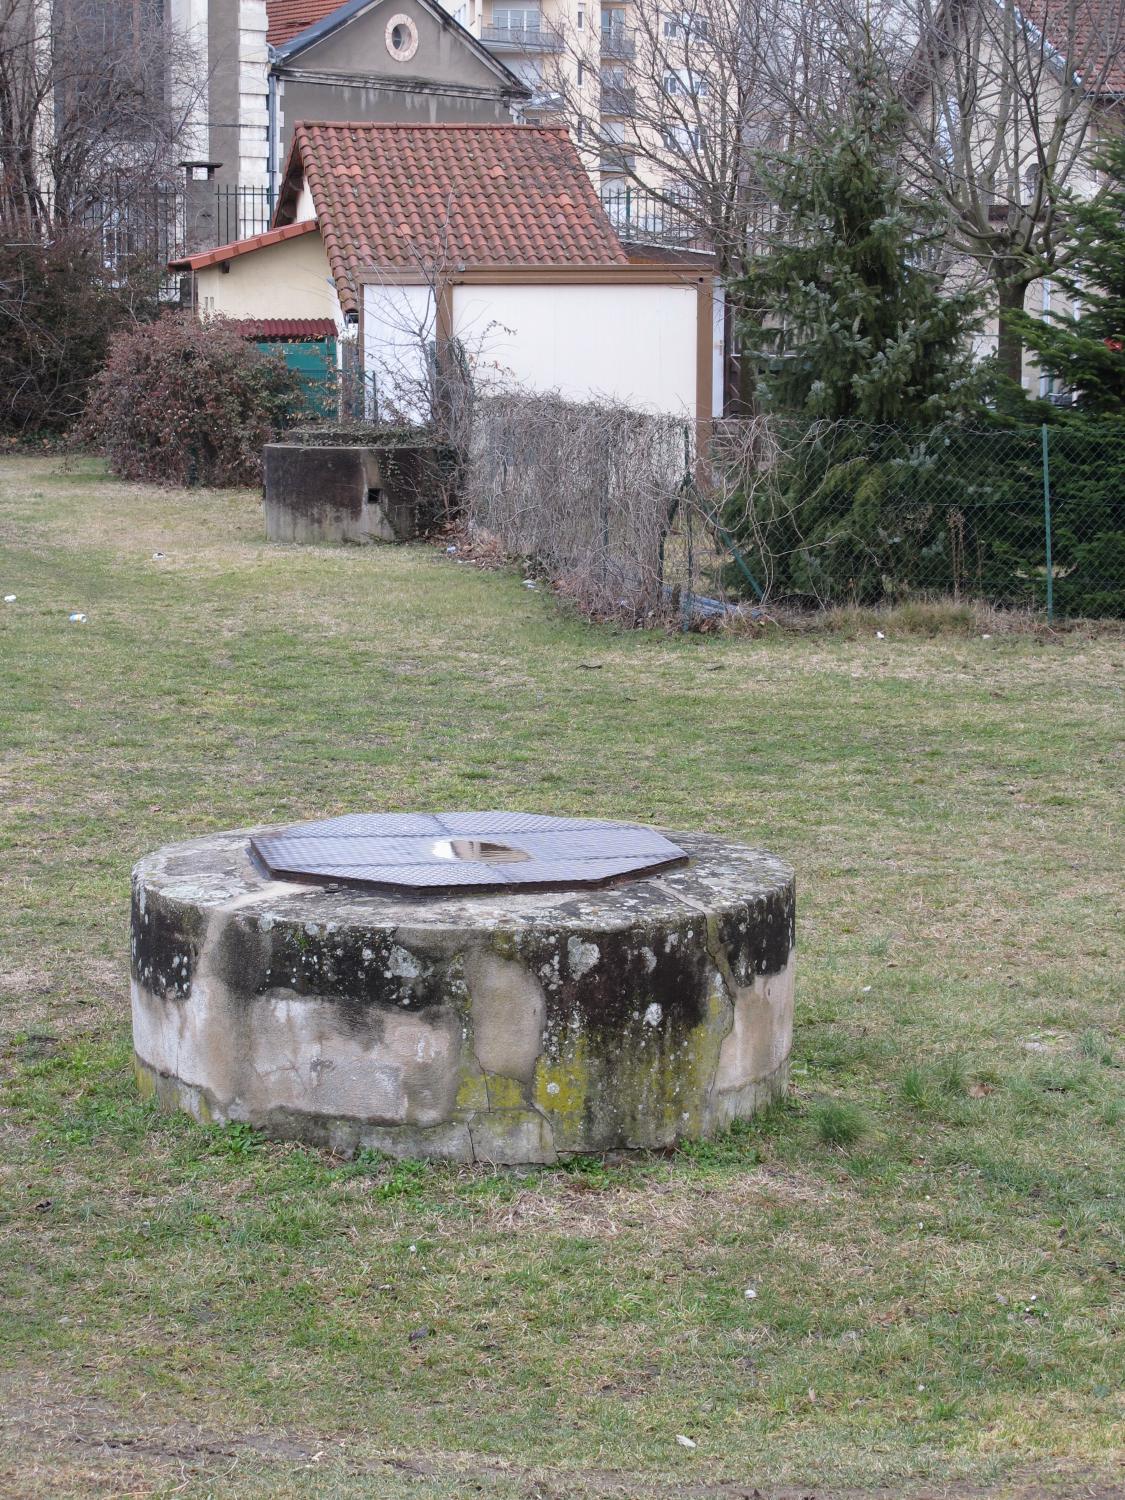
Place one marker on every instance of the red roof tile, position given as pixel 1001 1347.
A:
pixel 409 196
pixel 1089 35
pixel 288 18
pixel 240 247
pixel 283 328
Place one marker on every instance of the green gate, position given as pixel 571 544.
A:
pixel 314 362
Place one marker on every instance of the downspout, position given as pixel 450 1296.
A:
pixel 271 147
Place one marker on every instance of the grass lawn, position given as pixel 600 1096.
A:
pixel 932 1225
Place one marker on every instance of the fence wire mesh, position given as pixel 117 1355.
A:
pixel 1025 517
pixel 612 506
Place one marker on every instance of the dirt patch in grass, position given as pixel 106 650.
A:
pixel 668 1207
pixel 93 1452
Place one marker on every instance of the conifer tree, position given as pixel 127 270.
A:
pixel 862 352
pixel 1085 348
pixel 852 319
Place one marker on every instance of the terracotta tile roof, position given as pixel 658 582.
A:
pixel 409 195
pixel 644 253
pixel 284 328
pixel 1096 45
pixel 240 247
pixel 288 18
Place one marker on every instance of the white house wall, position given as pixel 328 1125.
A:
pixel 635 344
pixel 188 19
pixel 399 325
pixel 253 103
pixel 718 348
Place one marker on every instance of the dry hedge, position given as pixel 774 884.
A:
pixel 180 402
pixel 586 492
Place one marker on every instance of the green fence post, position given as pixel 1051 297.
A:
pixel 1047 527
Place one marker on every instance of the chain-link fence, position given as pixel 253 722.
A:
pixel 628 520
pixel 615 508
pixel 843 513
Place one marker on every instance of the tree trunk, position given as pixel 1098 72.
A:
pixel 1009 348
pixel 739 376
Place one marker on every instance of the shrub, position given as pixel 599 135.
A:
pixel 584 492
pixel 848 513
pixel 58 311
pixel 184 402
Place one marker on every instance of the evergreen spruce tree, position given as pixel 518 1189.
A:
pixel 861 352
pixel 1085 349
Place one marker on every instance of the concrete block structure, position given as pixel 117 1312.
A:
pixel 506 1025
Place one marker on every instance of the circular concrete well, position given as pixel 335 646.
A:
pixel 481 987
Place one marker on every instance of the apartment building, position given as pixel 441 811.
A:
pixel 630 81
pixel 566 52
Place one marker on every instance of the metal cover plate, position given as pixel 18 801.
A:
pixel 447 851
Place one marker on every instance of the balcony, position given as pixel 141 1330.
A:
pixel 541 38
pixel 543 101
pixel 618 159
pixel 637 214
pixel 618 99
pixel 617 42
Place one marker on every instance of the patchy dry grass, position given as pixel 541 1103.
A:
pixel 200 1313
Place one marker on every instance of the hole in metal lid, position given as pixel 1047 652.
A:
pixel 479 849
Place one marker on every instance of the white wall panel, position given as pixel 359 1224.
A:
pixel 636 344
pixel 399 327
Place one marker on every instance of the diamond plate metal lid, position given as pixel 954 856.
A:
pixel 446 851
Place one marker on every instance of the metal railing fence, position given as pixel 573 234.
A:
pixel 541 38
pixel 639 214
pixel 618 41
pixel 155 223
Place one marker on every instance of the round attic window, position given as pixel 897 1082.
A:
pixel 402 38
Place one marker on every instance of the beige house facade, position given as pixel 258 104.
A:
pixel 280 273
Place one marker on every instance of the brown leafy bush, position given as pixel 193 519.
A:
pixel 181 402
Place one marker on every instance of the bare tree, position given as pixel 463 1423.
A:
pixel 95 98
pixel 1004 101
pixel 682 107
pixel 678 101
